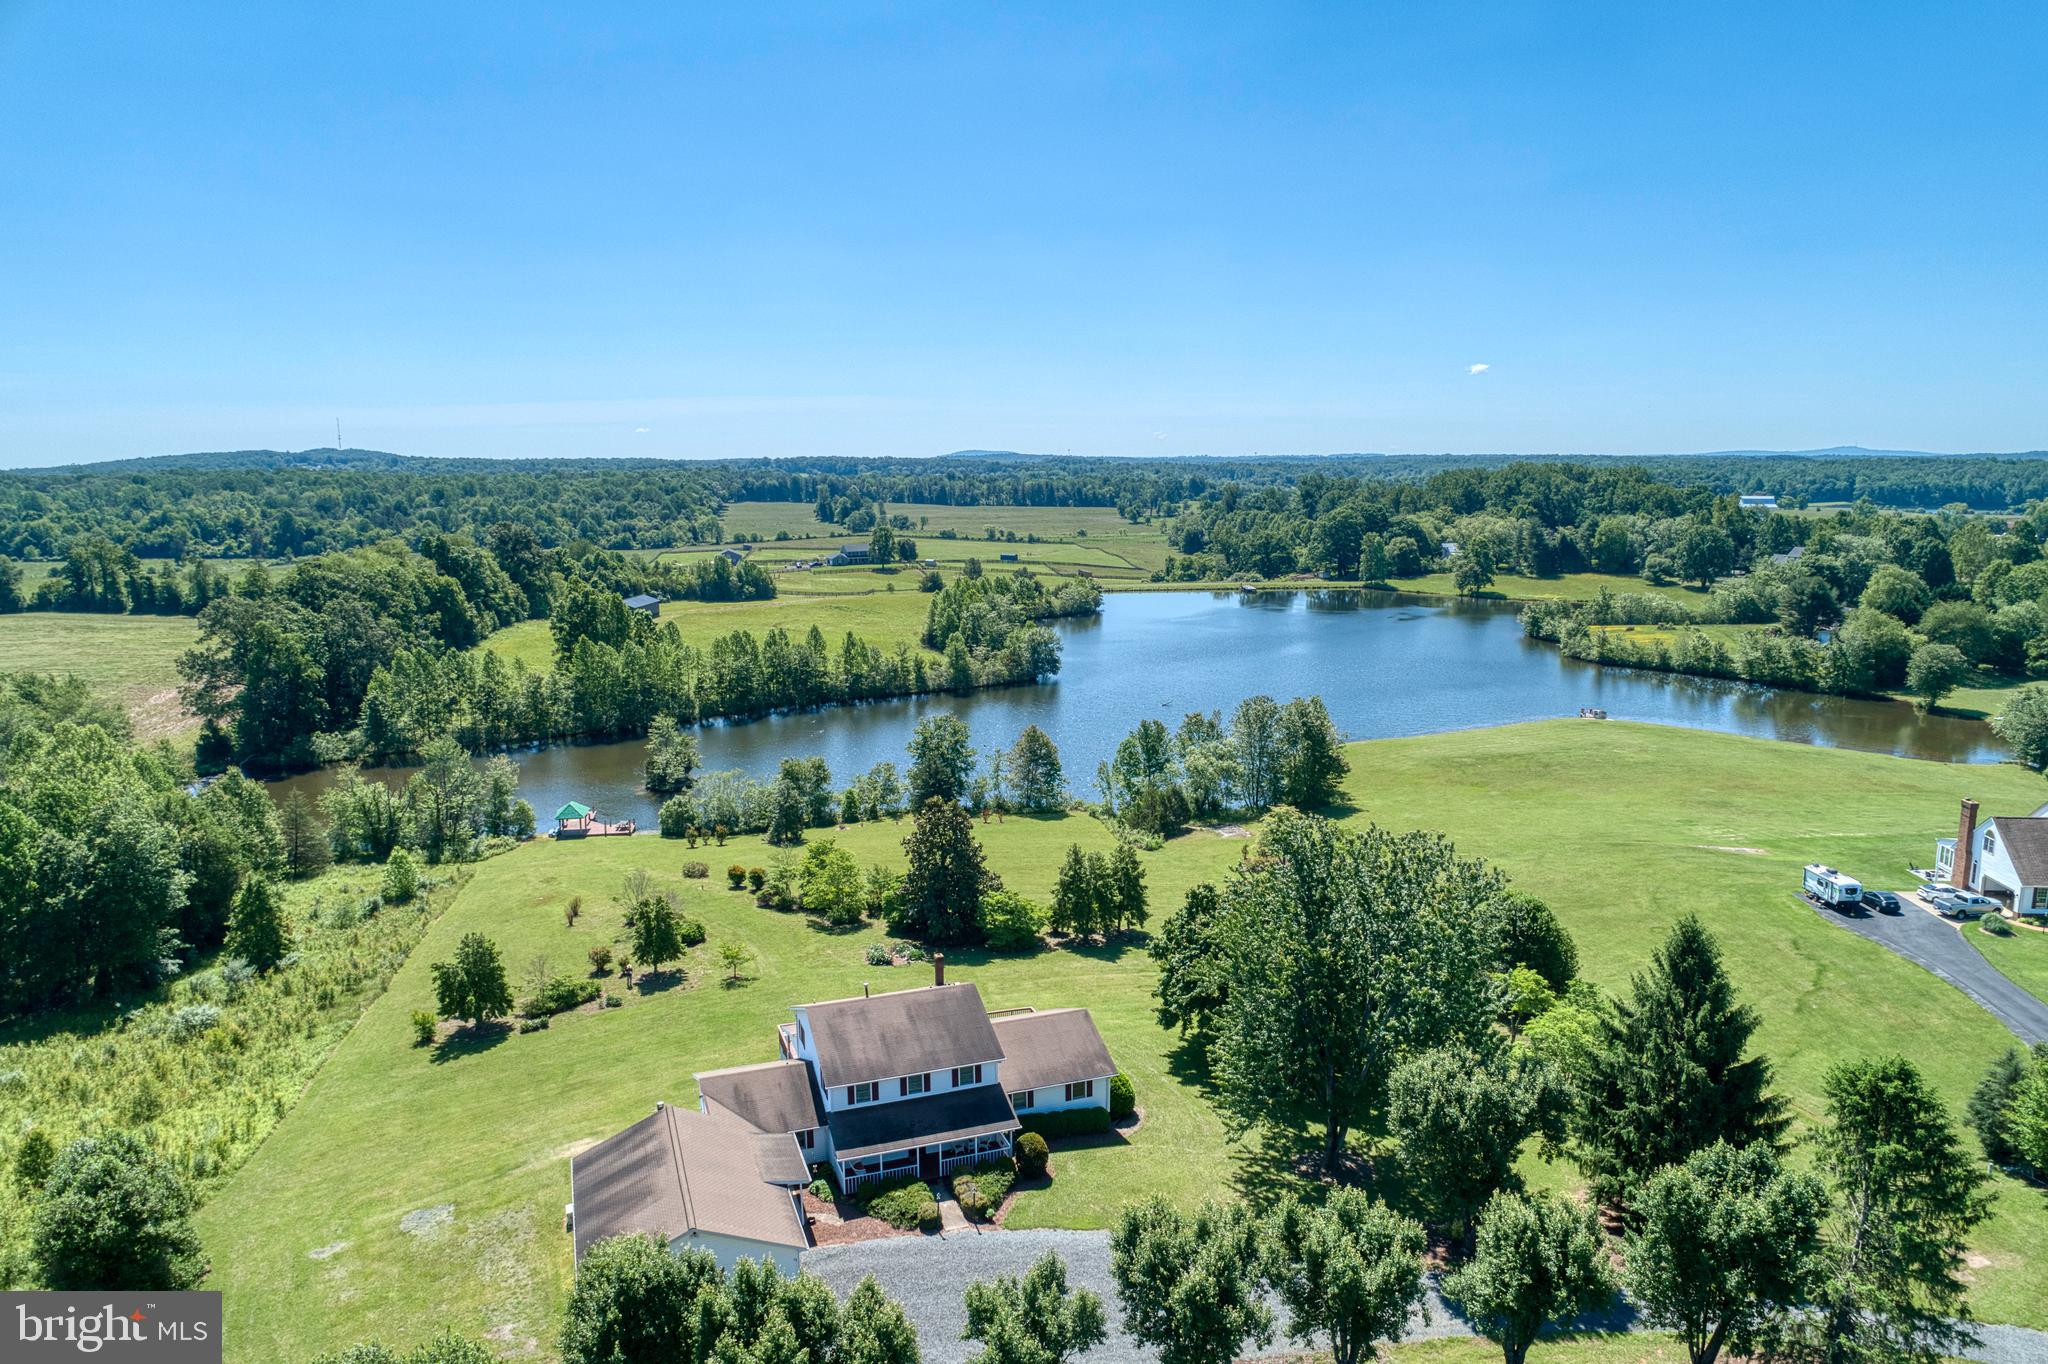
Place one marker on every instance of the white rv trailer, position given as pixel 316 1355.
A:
pixel 1826 886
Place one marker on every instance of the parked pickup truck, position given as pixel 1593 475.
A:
pixel 1963 905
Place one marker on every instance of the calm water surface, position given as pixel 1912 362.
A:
pixel 1385 666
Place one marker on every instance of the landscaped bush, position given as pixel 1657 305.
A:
pixel 736 876
pixel 903 1203
pixel 696 871
pixel 1123 1100
pixel 1032 1153
pixel 878 955
pixel 533 1025
pixel 909 951
pixel 559 995
pixel 757 877
pixel 423 1025
pixel 691 931
pixel 821 1189
pixel 981 1190
pixel 600 959
pixel 1070 1122
pixel 1010 922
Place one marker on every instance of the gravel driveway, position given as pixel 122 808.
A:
pixel 1937 944
pixel 928 1275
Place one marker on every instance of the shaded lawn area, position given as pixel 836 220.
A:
pixel 1620 827
pixel 2022 956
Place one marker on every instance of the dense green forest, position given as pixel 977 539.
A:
pixel 272 504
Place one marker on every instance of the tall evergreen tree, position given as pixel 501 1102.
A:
pixel 1193 977
pixel 306 851
pixel 941 760
pixel 1670 1077
pixel 1125 890
pixel 1035 772
pixel 1073 895
pixel 1312 763
pixel 943 888
pixel 257 932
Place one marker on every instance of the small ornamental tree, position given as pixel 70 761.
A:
pixel 1728 1241
pixel 256 927
pixel 33 1160
pixel 472 986
pixel 401 877
pixel 1349 1272
pixel 114 1215
pixel 1034 1320
pixel 1538 1261
pixel 1190 1284
pixel 657 932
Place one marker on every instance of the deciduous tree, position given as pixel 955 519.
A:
pixel 1190 1283
pixel 1728 1242
pixel 1349 1272
pixel 473 985
pixel 1034 1320
pixel 114 1215
pixel 1537 1261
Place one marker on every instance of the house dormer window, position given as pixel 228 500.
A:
pixel 1990 841
pixel 916 1084
pixel 862 1093
pixel 964 1076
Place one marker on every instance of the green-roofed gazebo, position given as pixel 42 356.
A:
pixel 572 820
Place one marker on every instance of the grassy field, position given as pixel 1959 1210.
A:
pixel 1620 827
pixel 2022 956
pixel 1637 1347
pixel 1568 586
pixel 764 520
pixel 883 618
pixel 128 660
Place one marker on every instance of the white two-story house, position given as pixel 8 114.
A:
pixel 2005 858
pixel 923 1081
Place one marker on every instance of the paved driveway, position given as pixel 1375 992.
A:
pixel 928 1275
pixel 1937 944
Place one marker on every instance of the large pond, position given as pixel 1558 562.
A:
pixel 1385 665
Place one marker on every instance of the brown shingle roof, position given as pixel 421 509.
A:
pixel 677 1172
pixel 950 1115
pixel 775 1096
pixel 2026 843
pixel 903 1032
pixel 1051 1047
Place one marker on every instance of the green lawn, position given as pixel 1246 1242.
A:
pixel 1636 1347
pixel 129 660
pixel 2022 956
pixel 1620 827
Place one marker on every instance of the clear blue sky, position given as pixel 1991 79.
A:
pixel 695 229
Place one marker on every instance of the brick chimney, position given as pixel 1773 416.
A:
pixel 938 968
pixel 1966 837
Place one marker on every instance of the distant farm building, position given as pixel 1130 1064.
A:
pixel 643 602
pixel 732 555
pixel 1006 558
pixel 849 554
pixel 1765 501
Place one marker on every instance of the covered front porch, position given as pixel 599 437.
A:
pixel 940 1160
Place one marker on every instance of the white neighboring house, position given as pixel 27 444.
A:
pixel 922 1081
pixel 1766 500
pixel 2005 858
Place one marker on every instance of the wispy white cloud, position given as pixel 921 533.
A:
pixel 639 430
pixel 1477 369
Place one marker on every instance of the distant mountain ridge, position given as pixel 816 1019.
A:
pixel 328 457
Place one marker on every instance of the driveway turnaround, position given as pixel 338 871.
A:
pixel 1937 944
pixel 929 1274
